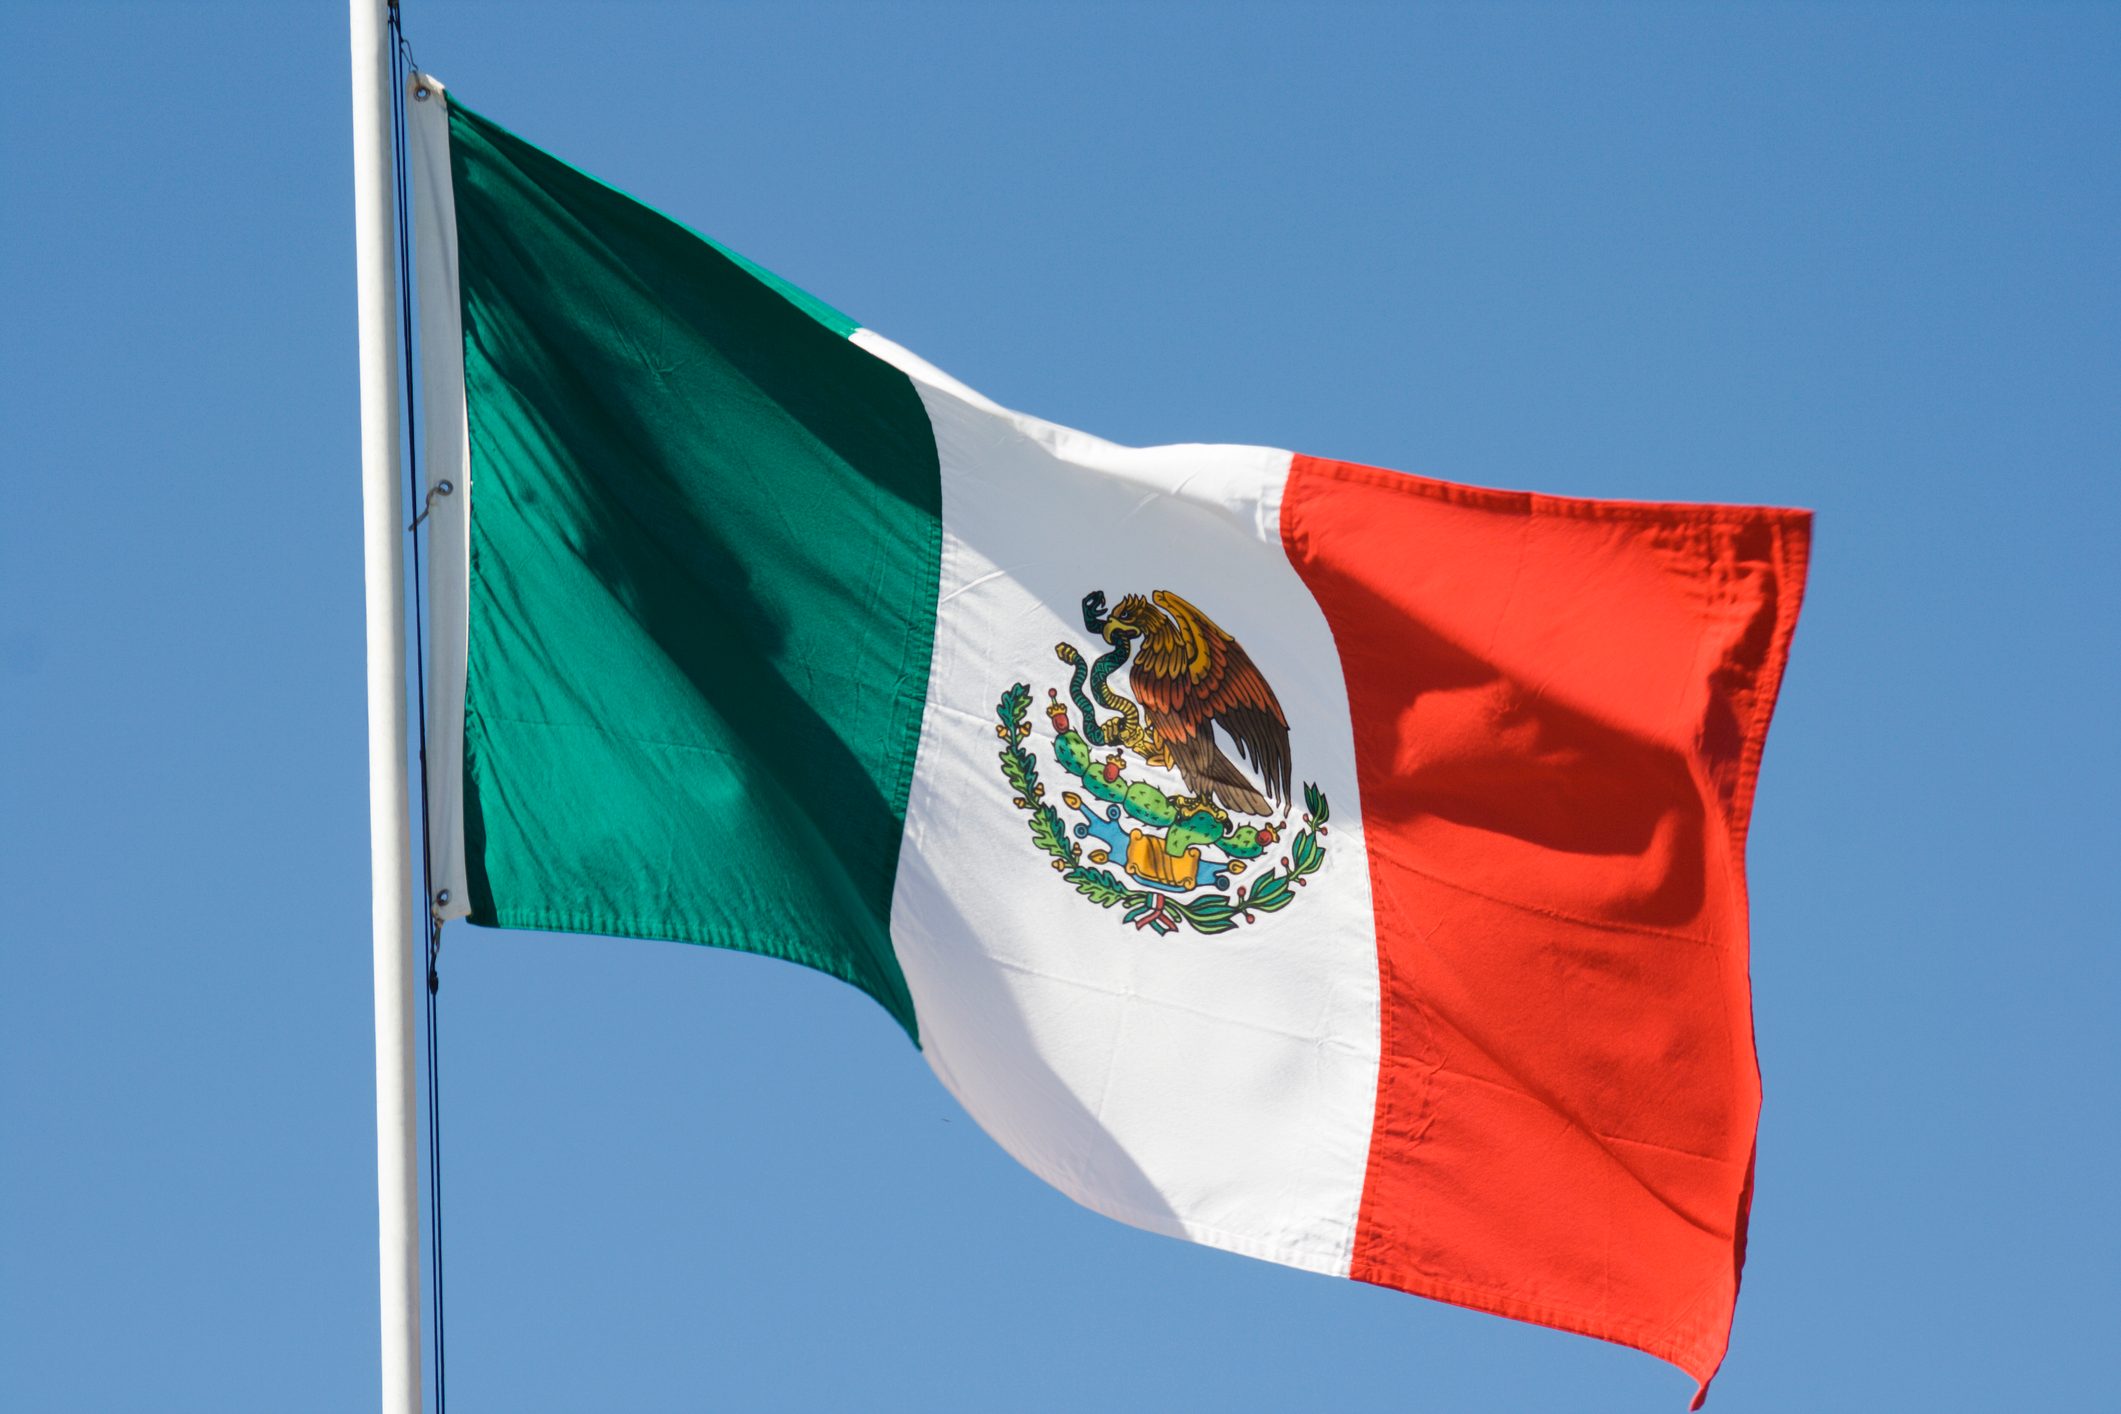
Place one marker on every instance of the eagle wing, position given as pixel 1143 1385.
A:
pixel 1221 685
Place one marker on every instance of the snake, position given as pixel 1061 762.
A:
pixel 1125 728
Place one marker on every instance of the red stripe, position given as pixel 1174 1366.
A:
pixel 1558 710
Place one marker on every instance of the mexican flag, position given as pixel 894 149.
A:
pixel 1327 864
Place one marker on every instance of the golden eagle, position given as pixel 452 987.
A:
pixel 1190 677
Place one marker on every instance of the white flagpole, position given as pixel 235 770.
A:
pixel 389 829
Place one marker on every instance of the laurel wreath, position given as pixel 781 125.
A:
pixel 1269 892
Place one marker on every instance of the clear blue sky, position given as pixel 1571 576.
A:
pixel 1858 258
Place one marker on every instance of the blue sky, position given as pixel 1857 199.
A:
pixel 1853 257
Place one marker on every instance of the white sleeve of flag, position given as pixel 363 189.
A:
pixel 445 460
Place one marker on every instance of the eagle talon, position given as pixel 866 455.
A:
pixel 1187 805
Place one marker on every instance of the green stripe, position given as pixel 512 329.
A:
pixel 704 548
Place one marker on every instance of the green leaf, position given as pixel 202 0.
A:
pixel 1209 915
pixel 1101 888
pixel 1270 893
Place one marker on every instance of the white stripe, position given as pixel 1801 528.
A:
pixel 445 456
pixel 1218 1088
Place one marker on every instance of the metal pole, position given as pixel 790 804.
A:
pixel 389 829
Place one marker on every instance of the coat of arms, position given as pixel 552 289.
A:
pixel 1161 821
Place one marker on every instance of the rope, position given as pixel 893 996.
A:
pixel 400 62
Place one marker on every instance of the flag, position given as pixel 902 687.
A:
pixel 1335 866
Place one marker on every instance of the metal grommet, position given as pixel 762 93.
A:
pixel 419 95
pixel 443 488
pixel 442 899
